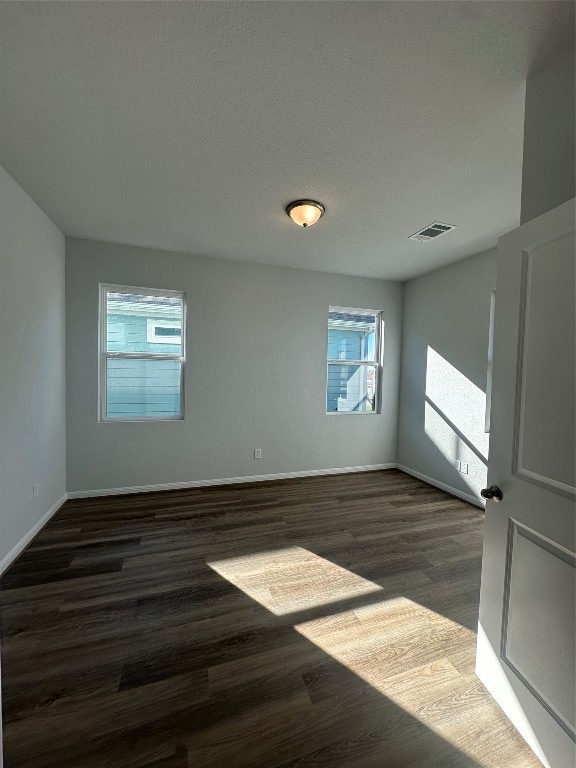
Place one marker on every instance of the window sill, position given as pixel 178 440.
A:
pixel 139 421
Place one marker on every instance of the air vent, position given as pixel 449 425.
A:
pixel 431 232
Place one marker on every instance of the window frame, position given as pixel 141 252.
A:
pixel 377 362
pixel 104 355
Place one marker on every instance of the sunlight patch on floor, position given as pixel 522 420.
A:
pixel 417 658
pixel 414 657
pixel 489 668
pixel 389 638
pixel 292 579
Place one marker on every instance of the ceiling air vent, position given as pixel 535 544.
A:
pixel 431 232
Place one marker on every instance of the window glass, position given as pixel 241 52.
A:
pixel 351 388
pixel 139 323
pixel 353 357
pixel 142 354
pixel 142 388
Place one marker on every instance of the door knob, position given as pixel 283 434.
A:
pixel 493 493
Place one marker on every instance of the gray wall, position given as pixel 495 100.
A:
pixel 32 385
pixel 548 170
pixel 256 372
pixel 444 368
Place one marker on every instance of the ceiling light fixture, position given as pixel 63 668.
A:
pixel 305 213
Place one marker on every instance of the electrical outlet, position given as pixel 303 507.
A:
pixel 257 453
pixel 464 467
pixel 35 491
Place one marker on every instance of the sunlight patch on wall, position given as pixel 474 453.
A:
pixel 441 434
pixel 292 579
pixel 454 418
pixel 462 402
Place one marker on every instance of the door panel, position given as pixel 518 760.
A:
pixel 526 634
pixel 547 380
pixel 538 620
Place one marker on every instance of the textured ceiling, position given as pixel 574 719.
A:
pixel 189 126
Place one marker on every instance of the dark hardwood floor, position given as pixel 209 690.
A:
pixel 325 621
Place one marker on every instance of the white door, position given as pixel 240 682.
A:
pixel 526 638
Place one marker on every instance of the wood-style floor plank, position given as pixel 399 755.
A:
pixel 325 621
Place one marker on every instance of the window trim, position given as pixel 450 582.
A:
pixel 377 362
pixel 104 355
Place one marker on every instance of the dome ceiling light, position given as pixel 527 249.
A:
pixel 305 213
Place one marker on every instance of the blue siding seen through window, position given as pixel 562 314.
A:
pixel 142 388
pixel 128 333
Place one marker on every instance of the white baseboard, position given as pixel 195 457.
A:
pixel 276 476
pixel 443 486
pixel 226 481
pixel 8 559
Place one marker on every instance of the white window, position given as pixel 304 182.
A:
pixel 162 331
pixel 354 360
pixel 142 354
